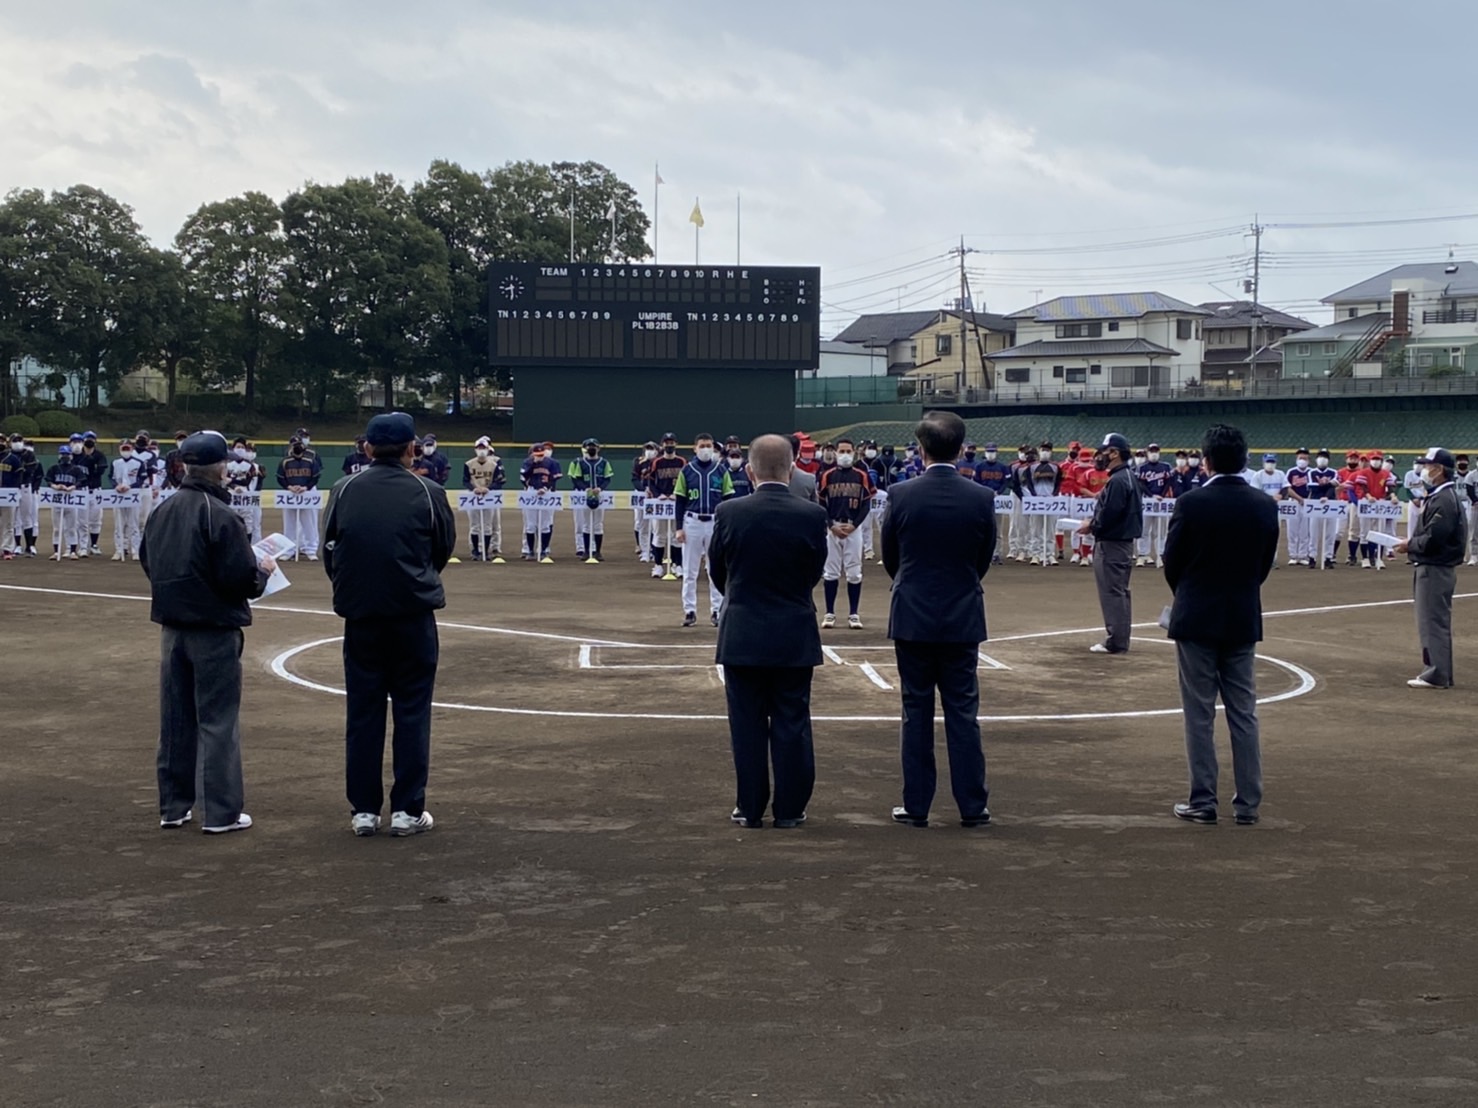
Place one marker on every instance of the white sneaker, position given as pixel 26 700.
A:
pixel 1380 563
pixel 854 622
pixel 184 819
pixel 243 821
pixel 1471 561
pixel 1139 563
pixel 1159 563
pixel 657 570
pixel 1418 683
pixel 1088 561
pixel 828 620
pixel 313 557
pixel 1050 562
pixel 97 551
pixel 1098 648
pixel 1076 558
pixel 118 557
pixel 364 823
pixel 403 823
pixel 1364 563
pixel 1036 561
pixel 1295 561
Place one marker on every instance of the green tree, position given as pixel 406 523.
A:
pixel 174 333
pixel 234 255
pixel 28 287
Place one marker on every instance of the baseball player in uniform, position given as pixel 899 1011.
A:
pixel 1017 547
pixel 1416 493
pixel 67 522
pixel 640 525
pixel 1043 479
pixel 482 474
pixel 1271 480
pixel 845 491
pixel 359 459
pixel 1154 483
pixel 12 463
pixel 660 482
pixel 738 473
pixel 95 462
pixel 125 477
pixel 27 519
pixel 1466 479
pixel 299 472
pixel 590 474
pixel 1324 487
pixel 1354 463
pixel 539 473
pixel 701 486
pixel 1300 545
pixel 995 475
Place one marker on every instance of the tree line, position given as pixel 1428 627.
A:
pixel 301 301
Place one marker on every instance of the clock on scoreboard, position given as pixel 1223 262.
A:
pixel 654 316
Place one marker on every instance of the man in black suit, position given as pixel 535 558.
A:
pixel 1222 541
pixel 767 553
pixel 938 538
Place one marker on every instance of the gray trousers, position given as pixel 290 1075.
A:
pixel 199 723
pixel 1433 588
pixel 1206 670
pixel 1112 562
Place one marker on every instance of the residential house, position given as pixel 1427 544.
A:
pixel 1417 318
pixel 931 350
pixel 1239 338
pixel 1133 344
pixel 892 333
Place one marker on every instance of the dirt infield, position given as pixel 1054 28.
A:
pixel 584 926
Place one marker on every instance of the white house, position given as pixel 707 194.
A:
pixel 1135 343
pixel 1431 310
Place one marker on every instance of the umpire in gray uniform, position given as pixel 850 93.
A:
pixel 202 571
pixel 1437 550
pixel 388 535
pixel 1117 522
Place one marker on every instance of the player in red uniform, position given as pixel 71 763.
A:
pixel 1094 478
pixel 1354 464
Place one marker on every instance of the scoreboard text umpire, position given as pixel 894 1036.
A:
pixel 387 537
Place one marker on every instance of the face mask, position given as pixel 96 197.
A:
pixel 1323 463
pixel 297 451
pixel 648 455
pixel 141 444
pixel 1387 465
pixel 1269 467
pixel 482 452
pixel 592 452
pixel 844 460
pixel 1428 483
pixel 1046 455
pixel 969 455
pixel 179 443
pixel 990 455
pixel 1303 463
pixel 430 447
pixel 1181 463
pixel 871 454
pixel 705 453
pixel 1153 455
pixel 1462 469
pixel 126 454
pixel 735 461
pixel 306 440
pixel 1021 455
pixel 669 450
pixel 1195 462
pixel 238 451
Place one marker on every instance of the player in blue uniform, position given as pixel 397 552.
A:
pixel 1154 484
pixel 539 473
pixel 590 474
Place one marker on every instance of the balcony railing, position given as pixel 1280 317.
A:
pixel 1451 315
pixel 1006 396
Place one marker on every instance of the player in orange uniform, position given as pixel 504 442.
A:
pixel 1094 478
pixel 1354 464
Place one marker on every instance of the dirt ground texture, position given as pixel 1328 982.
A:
pixel 585 926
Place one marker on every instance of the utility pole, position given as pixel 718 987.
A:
pixel 961 251
pixel 1256 281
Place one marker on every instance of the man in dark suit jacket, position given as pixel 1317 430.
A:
pixel 767 553
pixel 1222 541
pixel 938 538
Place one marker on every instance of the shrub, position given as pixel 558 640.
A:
pixel 20 425
pixel 56 424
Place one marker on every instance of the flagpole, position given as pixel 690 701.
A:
pixel 697 230
pixel 738 226
pixel 656 206
pixel 572 221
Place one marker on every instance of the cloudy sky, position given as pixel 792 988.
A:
pixel 864 136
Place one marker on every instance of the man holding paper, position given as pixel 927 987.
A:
pixel 202 571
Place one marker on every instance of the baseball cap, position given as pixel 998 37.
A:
pixel 1153 446
pixel 64 450
pixel 990 446
pixel 668 436
pixel 649 445
pixel 203 448
pixel 1116 441
pixel 1302 450
pixel 388 429
pixel 1270 457
pixel 484 441
pixel 1440 456
pixel 76 437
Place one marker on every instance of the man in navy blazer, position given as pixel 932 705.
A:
pixel 766 555
pixel 1222 541
pixel 938 538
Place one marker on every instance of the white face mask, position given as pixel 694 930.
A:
pixel 1386 464
pixel 125 454
pixel 990 455
pixel 1021 455
pixel 1153 455
pixel 1181 463
pixel 1269 467
pixel 1195 463
pixel 238 451
pixel 705 453
pixel 1046 455
pixel 844 460
pixel 736 463
pixel 307 441
pixel 1323 463
pixel 1303 463
pixel 482 452
pixel 251 455
pixel 648 455
pixel 869 454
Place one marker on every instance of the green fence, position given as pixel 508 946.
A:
pixel 812 392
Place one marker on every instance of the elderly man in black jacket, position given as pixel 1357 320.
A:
pixel 1118 520
pixel 1436 548
pixel 1221 544
pixel 202 571
pixel 388 536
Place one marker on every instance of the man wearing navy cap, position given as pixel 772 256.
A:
pixel 1436 548
pixel 388 535
pixel 202 571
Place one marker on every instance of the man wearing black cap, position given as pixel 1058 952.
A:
pixel 1436 548
pixel 1117 522
pixel 202 571
pixel 388 536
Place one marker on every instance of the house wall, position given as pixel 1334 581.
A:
pixel 946 365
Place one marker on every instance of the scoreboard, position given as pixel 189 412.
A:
pixel 654 316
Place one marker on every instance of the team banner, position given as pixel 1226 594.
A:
pixel 1316 510
pixel 542 501
pixel 880 499
pixel 657 508
pixel 1164 506
pixel 10 498
pixel 471 502
pixel 241 499
pixel 55 499
pixel 1381 509
pixel 113 499
pixel 580 500
pixel 313 498
pixel 637 499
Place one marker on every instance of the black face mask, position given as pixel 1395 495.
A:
pixel 669 450
pixel 1100 464
pixel 592 453
pixel 297 451
pixel 969 455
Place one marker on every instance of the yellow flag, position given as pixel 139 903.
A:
pixel 697 217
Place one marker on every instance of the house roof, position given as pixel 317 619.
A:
pixel 882 328
pixel 1081 348
pixel 1117 305
pixel 988 321
pixel 1339 329
pixel 1462 283
pixel 1266 356
pixel 1238 313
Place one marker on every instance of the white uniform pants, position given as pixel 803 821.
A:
pixel 588 522
pixel 8 526
pixel 66 523
pixel 147 504
pixel 1016 530
pixel 661 534
pixel 1043 536
pixel 697 534
pixel 252 518
pixel 872 530
pixel 26 516
pixel 301 526
pixel 536 521
pixel 1300 545
pixel 843 558
pixel 1152 545
pixel 126 531
pixel 487 523
pixel 1413 517
pixel 1473 531
pixel 94 514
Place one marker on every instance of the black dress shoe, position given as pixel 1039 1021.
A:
pixel 900 815
pixel 982 820
pixel 737 817
pixel 1195 815
pixel 690 619
pixel 1246 819
pixel 787 824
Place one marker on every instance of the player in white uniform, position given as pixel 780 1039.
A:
pixel 1418 491
pixel 1271 480
pixel 1466 480
pixel 125 477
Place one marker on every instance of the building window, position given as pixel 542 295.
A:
pixel 913 352
pixel 1352 313
pixel 1019 375
pixel 1079 330
pixel 1184 328
pixel 1424 361
pixel 1077 375
pixel 943 344
pixel 1057 372
pixel 1095 370
pixel 1113 325
pixel 1303 349
pixel 1129 376
pixel 1331 348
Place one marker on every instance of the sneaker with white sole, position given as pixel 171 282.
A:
pixel 828 620
pixel 364 824
pixel 403 823
pixel 243 821
pixel 184 819
pixel 854 621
